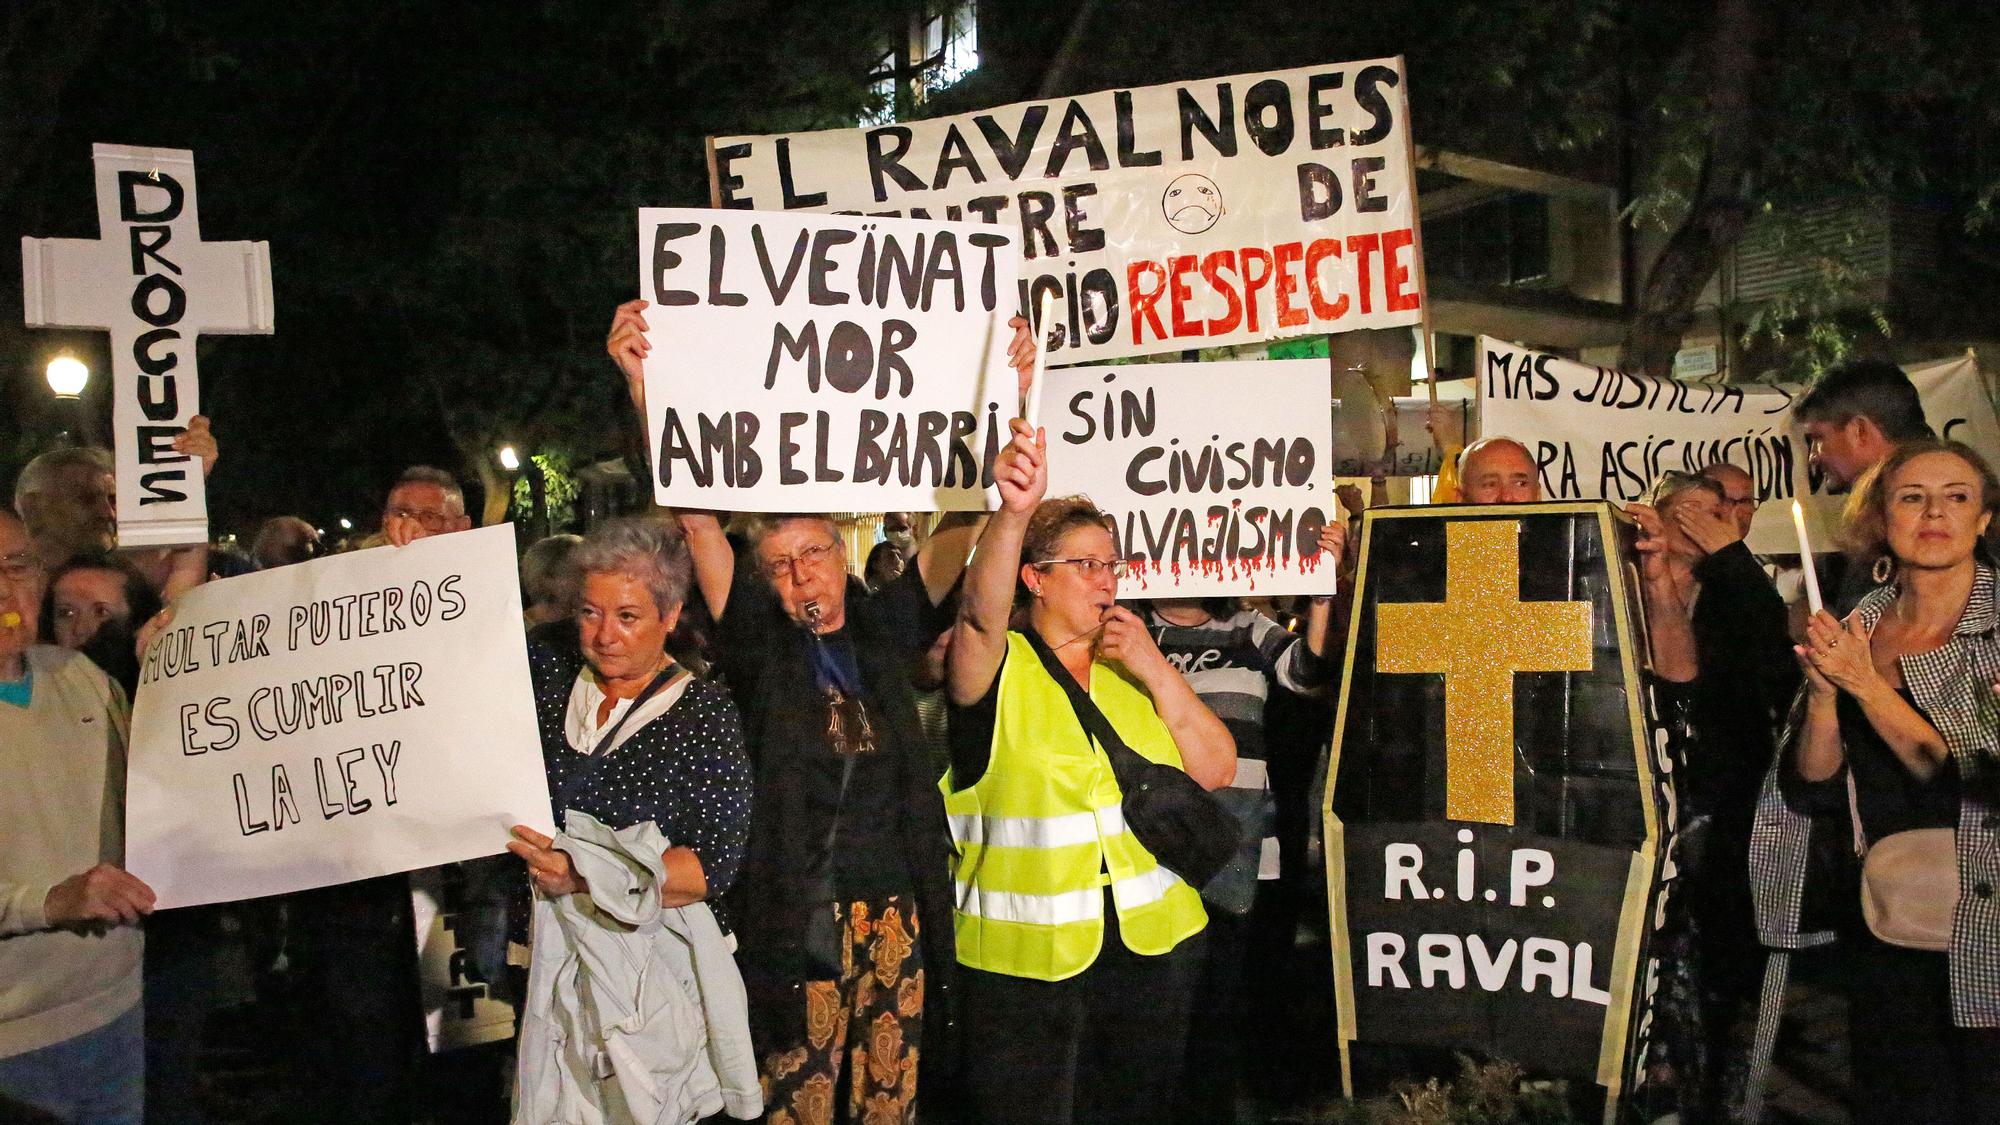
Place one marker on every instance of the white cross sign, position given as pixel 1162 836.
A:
pixel 152 283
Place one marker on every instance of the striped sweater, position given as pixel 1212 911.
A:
pixel 1232 663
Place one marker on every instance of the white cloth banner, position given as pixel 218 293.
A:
pixel 806 363
pixel 1603 434
pixel 335 720
pixel 1219 476
pixel 150 280
pixel 1193 214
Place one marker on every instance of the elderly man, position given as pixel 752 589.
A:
pixel 356 943
pixel 1498 470
pixel 1739 494
pixel 68 498
pixel 71 1030
pixel 423 502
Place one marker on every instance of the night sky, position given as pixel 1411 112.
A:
pixel 449 194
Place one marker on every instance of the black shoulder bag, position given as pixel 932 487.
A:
pixel 1187 830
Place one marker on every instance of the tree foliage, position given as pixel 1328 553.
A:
pixel 449 187
pixel 1709 115
pixel 449 190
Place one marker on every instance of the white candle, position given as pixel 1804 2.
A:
pixel 1032 413
pixel 1813 602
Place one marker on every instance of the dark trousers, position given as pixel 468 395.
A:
pixel 362 1020
pixel 1911 1066
pixel 1214 1065
pixel 181 964
pixel 1103 1047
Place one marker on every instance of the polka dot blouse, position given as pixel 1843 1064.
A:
pixel 685 770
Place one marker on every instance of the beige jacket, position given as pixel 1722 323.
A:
pixel 62 811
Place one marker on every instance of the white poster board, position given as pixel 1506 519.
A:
pixel 805 363
pixel 353 716
pixel 1193 214
pixel 1219 476
pixel 150 280
pixel 1597 433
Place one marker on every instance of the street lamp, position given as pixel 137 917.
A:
pixel 538 488
pixel 67 376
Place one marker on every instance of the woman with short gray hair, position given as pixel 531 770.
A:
pixel 630 736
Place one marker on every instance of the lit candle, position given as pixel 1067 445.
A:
pixel 1813 602
pixel 1033 411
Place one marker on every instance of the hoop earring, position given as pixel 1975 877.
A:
pixel 1885 569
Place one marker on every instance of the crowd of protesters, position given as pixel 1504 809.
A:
pixel 858 816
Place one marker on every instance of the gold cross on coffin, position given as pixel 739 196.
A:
pixel 1479 636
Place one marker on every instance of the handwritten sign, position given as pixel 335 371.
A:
pixel 1598 433
pixel 354 716
pixel 152 282
pixel 806 364
pixel 1194 214
pixel 1218 475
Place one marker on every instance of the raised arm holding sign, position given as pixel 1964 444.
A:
pixel 824 362
pixel 151 281
pixel 940 560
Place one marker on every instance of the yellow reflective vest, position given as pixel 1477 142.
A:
pixel 1041 833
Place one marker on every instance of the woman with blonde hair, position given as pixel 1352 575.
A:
pixel 1900 725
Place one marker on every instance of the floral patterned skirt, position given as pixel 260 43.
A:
pixel 864 1028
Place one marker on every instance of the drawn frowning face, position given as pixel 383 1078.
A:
pixel 1192 203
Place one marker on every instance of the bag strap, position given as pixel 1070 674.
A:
pixel 824 662
pixel 598 752
pixel 652 689
pixel 1854 816
pixel 1094 723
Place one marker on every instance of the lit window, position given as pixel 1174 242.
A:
pixel 882 88
pixel 948 44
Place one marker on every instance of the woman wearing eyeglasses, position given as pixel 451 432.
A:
pixel 844 903
pixel 1078 951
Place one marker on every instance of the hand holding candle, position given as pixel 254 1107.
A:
pixel 1813 602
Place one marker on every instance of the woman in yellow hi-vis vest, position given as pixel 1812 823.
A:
pixel 1078 951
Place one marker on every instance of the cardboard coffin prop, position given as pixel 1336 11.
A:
pixel 1499 804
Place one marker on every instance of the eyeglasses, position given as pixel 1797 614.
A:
pixel 19 567
pixel 787 566
pixel 431 521
pixel 1091 568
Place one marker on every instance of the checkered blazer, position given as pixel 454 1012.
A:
pixel 1952 684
